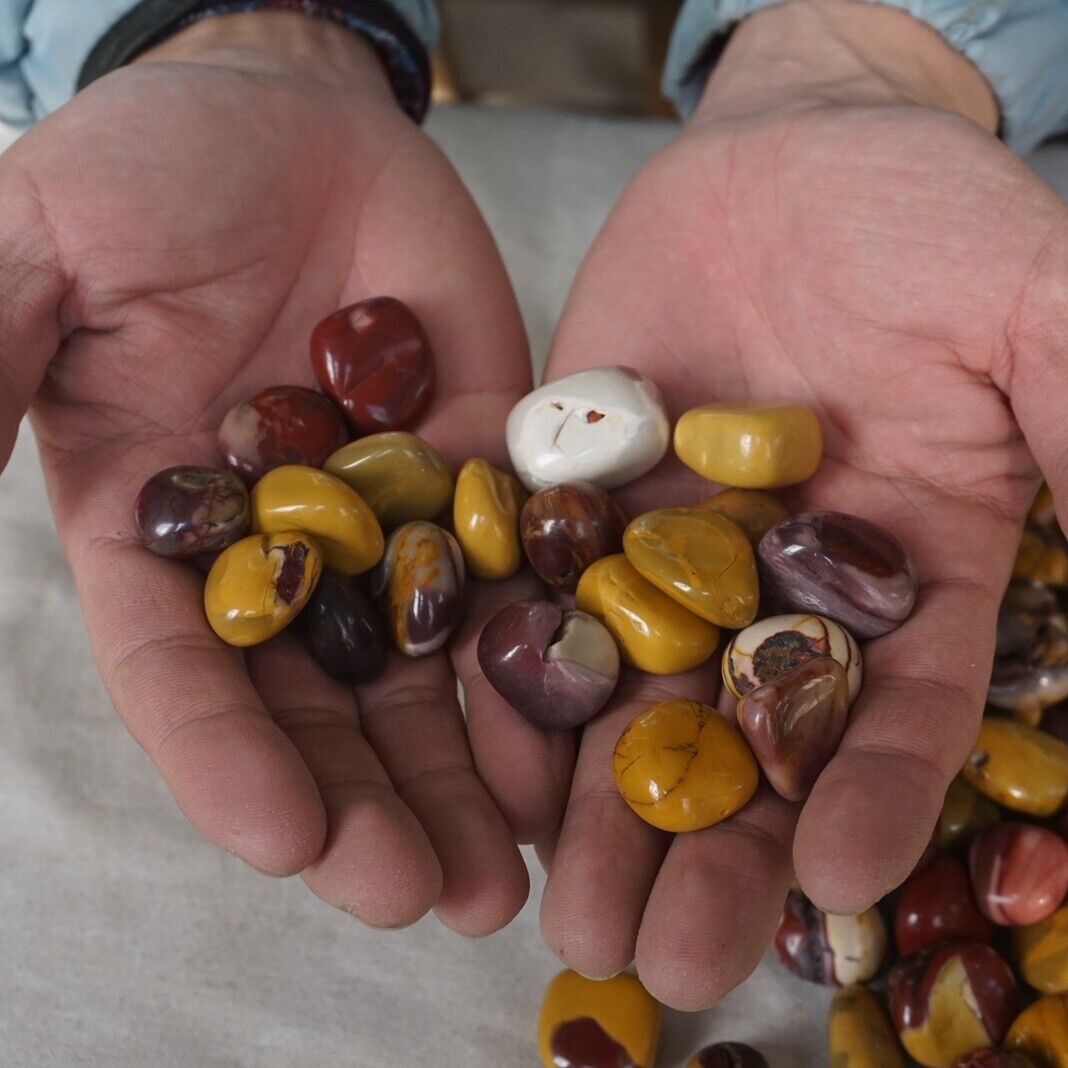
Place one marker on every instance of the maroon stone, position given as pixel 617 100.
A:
pixel 729 1055
pixel 936 905
pixel 583 1043
pixel 995 1058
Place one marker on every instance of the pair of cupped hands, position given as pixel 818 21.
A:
pixel 828 228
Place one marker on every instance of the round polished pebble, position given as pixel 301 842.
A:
pixel 342 630
pixel 965 812
pixel 859 1032
pixel 936 905
pixel 606 425
pixel 1019 873
pixel 794 724
pixel 653 632
pixel 420 584
pixel 750 445
pixel 374 359
pixel 259 584
pixel 304 499
pixel 823 948
pixel 282 425
pixel 951 1000
pixel 1041 1031
pixel 485 517
pixel 554 667
pixel 842 567
pixel 681 766
pixel 995 1058
pixel 1042 556
pixel 771 647
pixel 1042 952
pixel 187 511
pixel 1019 767
pixel 755 511
pixel 584 1023
pixel 698 558
pixel 565 528
pixel 399 475
pixel 727 1055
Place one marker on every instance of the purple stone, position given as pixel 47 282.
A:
pixel 1031 658
pixel 343 631
pixel 840 566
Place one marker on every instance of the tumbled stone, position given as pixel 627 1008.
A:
pixel 755 511
pixel 1042 556
pixel 342 630
pixel 485 517
pixel 1041 1031
pixel 727 1055
pixel 1042 952
pixel 1019 873
pixel 936 905
pixel 859 1032
pixel 995 1058
pixel 965 812
pixel 1019 767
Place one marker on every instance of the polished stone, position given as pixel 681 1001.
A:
pixel 1019 767
pixel 343 631
pixel 935 904
pixel 859 1032
pixel 1042 556
pixel 755 511
pixel 1019 873
pixel 965 812
pixel 995 1058
pixel 727 1055
pixel 485 517
pixel 1041 1031
pixel 1041 951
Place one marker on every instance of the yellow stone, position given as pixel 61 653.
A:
pixel 485 516
pixel 576 1012
pixel 681 766
pixel 698 558
pixel 335 515
pixel 654 633
pixel 259 584
pixel 755 511
pixel 1042 952
pixel 400 476
pixel 1041 1030
pixel 1042 557
pixel 1041 511
pixel 1018 766
pixel 859 1032
pixel 751 446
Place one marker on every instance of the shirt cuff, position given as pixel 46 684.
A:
pixel 1020 47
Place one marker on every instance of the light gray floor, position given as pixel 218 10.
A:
pixel 125 941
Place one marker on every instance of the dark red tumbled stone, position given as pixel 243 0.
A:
pixel 375 360
pixel 583 1043
pixel 728 1055
pixel 936 905
pixel 995 1058
pixel 343 630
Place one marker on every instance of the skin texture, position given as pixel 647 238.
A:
pixel 801 240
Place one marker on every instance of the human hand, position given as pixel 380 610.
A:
pixel 825 230
pixel 167 242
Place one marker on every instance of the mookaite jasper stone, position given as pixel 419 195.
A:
pixel 556 668
pixel 1019 767
pixel 755 511
pixel 995 1058
pixel 400 476
pixel 1019 873
pixel 794 724
pixel 259 584
pixel 186 511
pixel 752 446
pixel 588 1024
pixel 681 766
pixel 698 558
pixel 965 812
pixel 606 425
pixel 304 499
pixel 566 528
pixel 485 517
pixel 374 359
pixel 833 950
pixel 1041 1031
pixel 654 633
pixel 343 631
pixel 727 1055
pixel 1042 952
pixel 951 1000
pixel 773 646
pixel 859 1032
pixel 1042 556
pixel 420 585
pixel 936 905
pixel 281 425
pixel 843 567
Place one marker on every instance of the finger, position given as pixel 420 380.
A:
pixel 412 718
pixel 606 857
pixel 526 770
pixel 377 863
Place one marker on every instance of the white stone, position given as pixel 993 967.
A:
pixel 606 425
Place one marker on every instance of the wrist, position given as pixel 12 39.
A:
pixel 840 53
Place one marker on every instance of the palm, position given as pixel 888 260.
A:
pixel 833 259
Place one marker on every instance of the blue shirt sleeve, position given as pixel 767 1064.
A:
pixel 1020 46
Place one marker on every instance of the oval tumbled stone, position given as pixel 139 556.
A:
pixel 485 516
pixel 1019 767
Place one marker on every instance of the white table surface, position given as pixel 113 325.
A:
pixel 127 942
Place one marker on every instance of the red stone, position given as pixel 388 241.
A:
pixel 374 359
pixel 1019 873
pixel 936 905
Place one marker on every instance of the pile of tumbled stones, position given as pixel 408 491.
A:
pixel 350 541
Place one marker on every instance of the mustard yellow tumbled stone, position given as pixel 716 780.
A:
pixel 698 558
pixel 485 517
pixel 1018 766
pixel 654 633
pixel 859 1032
pixel 583 1021
pixel 1041 1031
pixel 755 511
pixel 259 584
pixel 400 476
pixel 1042 952
pixel 751 446
pixel 681 766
